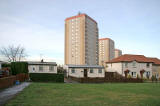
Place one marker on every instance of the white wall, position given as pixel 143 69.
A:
pixel 120 68
pixel 45 69
pixel 114 67
pixel 79 73
pixel 156 70
pixel 0 66
pixel 138 67
pixel 95 73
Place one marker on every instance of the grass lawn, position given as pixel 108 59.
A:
pixel 112 94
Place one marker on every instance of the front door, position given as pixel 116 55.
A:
pixel 85 72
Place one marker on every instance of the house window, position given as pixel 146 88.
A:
pixel 91 70
pixel 99 70
pixel 147 64
pixel 157 75
pixel 33 69
pixel 51 68
pixel 147 74
pixel 73 70
pixel 133 74
pixel 126 64
pixel 40 68
pixel 134 64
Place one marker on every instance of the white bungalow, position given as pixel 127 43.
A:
pixel 42 67
pixel 81 71
pixel 134 65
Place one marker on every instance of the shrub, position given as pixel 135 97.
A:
pixel 138 76
pixel 154 78
pixel 129 76
pixel 46 77
pixel 19 67
pixel 60 69
pixel 144 79
pixel 4 65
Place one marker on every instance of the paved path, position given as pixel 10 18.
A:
pixel 9 93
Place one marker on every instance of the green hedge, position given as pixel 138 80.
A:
pixel 6 65
pixel 19 67
pixel 46 77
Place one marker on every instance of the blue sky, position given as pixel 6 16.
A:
pixel 38 25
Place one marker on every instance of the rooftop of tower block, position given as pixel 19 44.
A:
pixel 80 15
pixel 105 39
pixel 118 50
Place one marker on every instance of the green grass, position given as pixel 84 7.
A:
pixel 111 94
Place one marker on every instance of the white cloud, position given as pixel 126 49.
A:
pixel 36 38
pixel 46 59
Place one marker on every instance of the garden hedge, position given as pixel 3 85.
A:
pixel 46 77
pixel 19 67
pixel 6 65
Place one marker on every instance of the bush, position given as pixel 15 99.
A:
pixel 4 65
pixel 144 79
pixel 129 76
pixel 19 67
pixel 46 77
pixel 60 69
pixel 153 78
pixel 138 76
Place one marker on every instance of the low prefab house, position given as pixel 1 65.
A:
pixel 42 67
pixel 0 64
pixel 131 65
pixel 83 71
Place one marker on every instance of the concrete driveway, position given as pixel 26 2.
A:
pixel 9 93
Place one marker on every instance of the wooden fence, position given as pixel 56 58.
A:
pixel 7 81
pixel 22 77
pixel 10 80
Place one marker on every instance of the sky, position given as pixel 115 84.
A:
pixel 38 25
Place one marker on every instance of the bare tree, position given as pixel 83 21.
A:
pixel 13 53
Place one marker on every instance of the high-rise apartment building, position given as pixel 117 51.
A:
pixel 117 53
pixel 81 40
pixel 106 50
